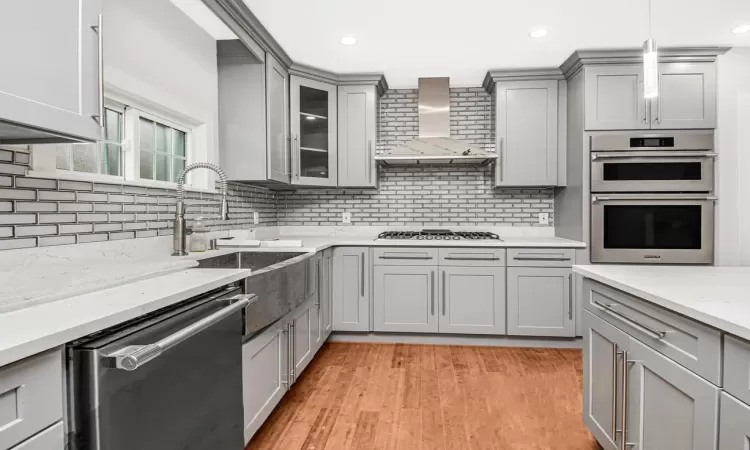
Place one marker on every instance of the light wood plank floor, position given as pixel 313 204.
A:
pixel 398 396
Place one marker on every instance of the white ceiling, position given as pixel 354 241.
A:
pixel 407 39
pixel 201 15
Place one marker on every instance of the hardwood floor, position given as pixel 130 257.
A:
pixel 398 396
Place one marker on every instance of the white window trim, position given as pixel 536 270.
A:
pixel 44 163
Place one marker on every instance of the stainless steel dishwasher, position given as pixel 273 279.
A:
pixel 168 381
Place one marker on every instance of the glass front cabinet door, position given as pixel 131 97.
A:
pixel 314 134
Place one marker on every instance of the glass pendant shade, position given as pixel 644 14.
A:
pixel 650 69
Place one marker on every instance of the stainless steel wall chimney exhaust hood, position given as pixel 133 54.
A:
pixel 435 145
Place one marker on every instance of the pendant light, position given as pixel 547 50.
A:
pixel 650 63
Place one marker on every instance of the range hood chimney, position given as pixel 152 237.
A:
pixel 435 145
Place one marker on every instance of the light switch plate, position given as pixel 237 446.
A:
pixel 256 218
pixel 544 218
pixel 346 217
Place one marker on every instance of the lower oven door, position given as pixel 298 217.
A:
pixel 641 171
pixel 652 229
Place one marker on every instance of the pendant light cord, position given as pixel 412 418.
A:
pixel 649 19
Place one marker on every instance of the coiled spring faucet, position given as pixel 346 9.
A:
pixel 180 228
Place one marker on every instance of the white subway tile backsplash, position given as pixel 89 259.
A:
pixel 12 219
pixel 57 196
pixel 76 228
pixel 6 232
pixel 17 194
pixel 36 207
pixel 76 207
pixel 86 238
pixel 6 206
pixel 12 169
pixel 57 218
pixel 11 244
pixel 98 227
pixel 89 197
pixel 56 240
pixel 35 230
pixel 75 185
pixel 35 183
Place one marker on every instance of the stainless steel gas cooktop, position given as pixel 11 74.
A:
pixel 438 235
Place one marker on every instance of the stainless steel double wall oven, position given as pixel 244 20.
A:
pixel 652 197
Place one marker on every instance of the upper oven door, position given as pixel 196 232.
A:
pixel 652 229
pixel 652 171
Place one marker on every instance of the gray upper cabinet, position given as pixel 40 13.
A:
pixel 351 289
pixel 687 96
pixel 358 121
pixel 313 122
pixel 603 346
pixel 540 302
pixel 277 120
pixel 734 429
pixel 405 299
pixel 527 133
pixel 50 84
pixel 472 300
pixel 668 406
pixel 614 98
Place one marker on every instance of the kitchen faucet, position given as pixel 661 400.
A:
pixel 180 230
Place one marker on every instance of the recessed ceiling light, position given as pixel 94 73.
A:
pixel 741 29
pixel 538 32
pixel 348 40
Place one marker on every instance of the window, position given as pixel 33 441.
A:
pixel 162 149
pixel 104 157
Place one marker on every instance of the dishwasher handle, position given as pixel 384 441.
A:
pixel 134 356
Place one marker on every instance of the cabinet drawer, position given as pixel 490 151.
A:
pixel 30 397
pixel 53 438
pixel 541 257
pixel 409 256
pixel 695 346
pixel 475 257
pixel 737 367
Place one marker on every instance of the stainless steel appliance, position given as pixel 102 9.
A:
pixel 651 200
pixel 438 235
pixel 647 162
pixel 168 381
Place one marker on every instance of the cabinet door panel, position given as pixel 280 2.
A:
pixel 614 98
pixel 277 120
pixel 326 295
pixel 351 289
pixel 540 302
pixel 687 96
pixel 472 300
pixel 735 424
pixel 602 389
pixel 264 375
pixel 302 337
pixel 357 112
pixel 50 65
pixel 527 133
pixel 313 123
pixel 669 406
pixel 405 299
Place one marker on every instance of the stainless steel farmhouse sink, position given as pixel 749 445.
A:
pixel 281 280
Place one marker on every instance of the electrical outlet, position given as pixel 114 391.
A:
pixel 256 218
pixel 346 217
pixel 544 218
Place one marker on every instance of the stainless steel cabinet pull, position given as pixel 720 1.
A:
pixel 369 161
pixel 655 154
pixel 551 258
pixel 614 390
pixel 363 274
pixel 134 356
pixel 500 166
pixel 624 404
pixel 646 107
pixel 405 257
pixel 432 285
pixel 656 334
pixel 99 29
pixel 604 198
pixel 570 296
pixel 299 155
pixel 444 292
pixel 317 282
pixel 471 259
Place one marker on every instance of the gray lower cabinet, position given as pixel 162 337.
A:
pixel 540 302
pixel 304 323
pixel 358 121
pixel 405 299
pixel 669 407
pixel 277 120
pixel 472 300
pixel 687 96
pixel 351 289
pixel 603 346
pixel 265 375
pixel 614 98
pixel 527 133
pixel 734 428
pixel 51 63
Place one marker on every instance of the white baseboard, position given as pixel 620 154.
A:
pixel 442 339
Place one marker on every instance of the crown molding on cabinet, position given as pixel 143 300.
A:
pixel 352 79
pixel 494 76
pixel 579 58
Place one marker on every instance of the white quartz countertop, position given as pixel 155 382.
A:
pixel 715 296
pixel 79 296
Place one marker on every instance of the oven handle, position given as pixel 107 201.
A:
pixel 631 155
pixel 132 357
pixel 603 198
